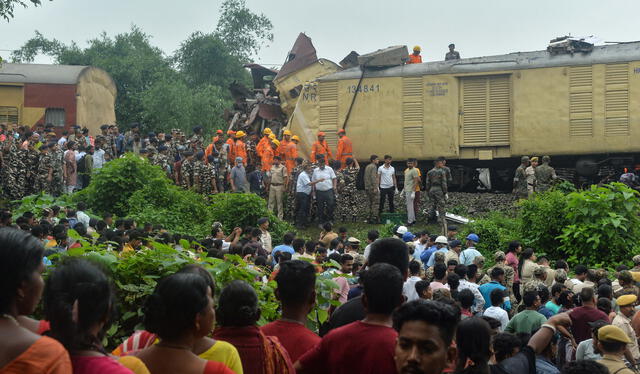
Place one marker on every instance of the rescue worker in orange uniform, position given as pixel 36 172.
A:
pixel 345 148
pixel 209 149
pixel 320 147
pixel 291 153
pixel 268 154
pixel 272 137
pixel 415 57
pixel 231 145
pixel 264 142
pixel 284 143
pixel 240 148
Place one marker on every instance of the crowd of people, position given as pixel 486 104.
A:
pixel 322 188
pixel 412 303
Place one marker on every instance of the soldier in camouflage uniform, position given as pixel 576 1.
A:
pixel 545 175
pixel 438 192
pixel 198 172
pixel 220 163
pixel 209 177
pixel 500 258
pixel 57 157
pixel 187 170
pixel 17 180
pixel 438 258
pixel 162 159
pixel 44 173
pixel 31 158
pixel 347 190
pixel 197 139
pixel 537 282
pixel 520 179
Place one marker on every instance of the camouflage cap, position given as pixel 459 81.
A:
pixel 561 276
pixel 524 159
pixel 499 255
pixel 636 260
pixel 539 271
pixel 439 257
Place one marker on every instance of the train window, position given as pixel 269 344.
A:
pixel 295 92
pixel 9 114
pixel 55 116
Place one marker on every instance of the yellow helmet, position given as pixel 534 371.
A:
pixel 272 136
pixel 276 142
pixel 417 48
pixel 287 132
pixel 240 134
pixel 266 131
pixel 295 137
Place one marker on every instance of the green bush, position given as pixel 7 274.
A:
pixel 495 230
pixel 178 210
pixel 37 203
pixel 113 185
pixel 542 219
pixel 604 226
pixel 244 209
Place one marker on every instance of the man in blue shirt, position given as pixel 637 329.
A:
pixel 285 246
pixel 441 246
pixel 467 256
pixel 497 278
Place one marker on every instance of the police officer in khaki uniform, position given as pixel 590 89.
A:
pixel 520 179
pixel 545 175
pixel 612 342
pixel 371 189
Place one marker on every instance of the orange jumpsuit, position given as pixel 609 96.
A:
pixel 290 155
pixel 262 144
pixel 282 148
pixel 319 148
pixel 231 154
pixel 240 150
pixel 267 158
pixel 413 59
pixel 207 152
pixel 345 150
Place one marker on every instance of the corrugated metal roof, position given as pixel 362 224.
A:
pixel 40 73
pixel 623 52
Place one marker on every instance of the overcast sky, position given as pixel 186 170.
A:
pixel 478 28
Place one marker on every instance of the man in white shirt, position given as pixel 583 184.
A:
pixel 303 196
pixel 409 288
pixel 324 179
pixel 387 183
pixel 265 238
pixel 63 139
pixel 82 216
pixel 421 245
pixel 495 311
pixel 98 156
pixel 467 281
pixel 467 256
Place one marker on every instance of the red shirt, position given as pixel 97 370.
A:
pixel 580 318
pixel 354 348
pixel 295 338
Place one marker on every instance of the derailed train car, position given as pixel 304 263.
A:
pixel 582 109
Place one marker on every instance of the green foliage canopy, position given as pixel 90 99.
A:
pixel 7 6
pixel 243 31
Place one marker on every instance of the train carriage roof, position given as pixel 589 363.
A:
pixel 41 73
pixel 614 53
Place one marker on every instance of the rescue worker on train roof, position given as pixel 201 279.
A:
pixel 415 57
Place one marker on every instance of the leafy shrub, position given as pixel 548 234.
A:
pixel 113 185
pixel 178 210
pixel 495 230
pixel 37 203
pixel 243 209
pixel 604 226
pixel 542 219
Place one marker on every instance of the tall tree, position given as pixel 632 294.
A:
pixel 206 59
pixel 243 31
pixel 7 6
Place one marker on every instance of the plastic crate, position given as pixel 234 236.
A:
pixel 396 218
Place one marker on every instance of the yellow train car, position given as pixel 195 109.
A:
pixel 582 109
